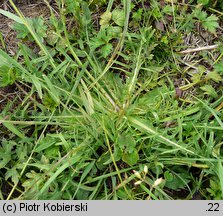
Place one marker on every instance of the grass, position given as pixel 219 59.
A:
pixel 106 107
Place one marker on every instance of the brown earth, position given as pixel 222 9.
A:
pixel 31 9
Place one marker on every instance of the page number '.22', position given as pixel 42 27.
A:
pixel 213 207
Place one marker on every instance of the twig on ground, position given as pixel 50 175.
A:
pixel 199 49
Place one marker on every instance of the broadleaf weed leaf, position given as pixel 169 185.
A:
pixel 211 23
pixel 118 16
pixel 105 19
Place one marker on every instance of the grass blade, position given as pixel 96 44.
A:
pixel 152 131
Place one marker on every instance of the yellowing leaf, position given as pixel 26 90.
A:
pixel 105 19
pixel 215 76
pixel 118 16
